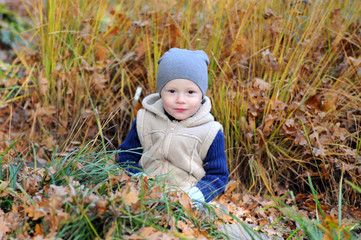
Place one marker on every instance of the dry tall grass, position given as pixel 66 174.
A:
pixel 284 80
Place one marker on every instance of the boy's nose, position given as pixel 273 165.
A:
pixel 180 98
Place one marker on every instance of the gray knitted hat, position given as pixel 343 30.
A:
pixel 185 64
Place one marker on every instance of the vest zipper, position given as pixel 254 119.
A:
pixel 168 139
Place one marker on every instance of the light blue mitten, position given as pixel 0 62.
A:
pixel 138 174
pixel 197 197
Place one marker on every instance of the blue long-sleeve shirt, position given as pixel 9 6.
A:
pixel 215 163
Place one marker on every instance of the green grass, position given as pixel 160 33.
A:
pixel 84 194
pixel 323 227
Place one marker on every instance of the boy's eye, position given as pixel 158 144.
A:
pixel 190 92
pixel 171 91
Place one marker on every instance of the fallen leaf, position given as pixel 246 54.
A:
pixel 268 14
pixel 43 84
pixel 98 80
pixel 339 132
pixel 289 126
pixel 130 198
pixel 263 221
pixel 186 202
pixel 4 226
pixel 313 102
pixel 319 151
pixel 101 206
pixel 39 230
pixel 301 140
pixel 269 60
pixel 261 84
pixel 268 123
pixel 101 52
pixel 35 212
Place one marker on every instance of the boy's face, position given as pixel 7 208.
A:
pixel 181 98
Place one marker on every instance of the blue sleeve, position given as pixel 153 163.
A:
pixel 215 165
pixel 129 152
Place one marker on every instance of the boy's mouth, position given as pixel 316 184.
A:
pixel 180 109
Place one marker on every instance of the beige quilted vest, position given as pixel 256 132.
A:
pixel 175 149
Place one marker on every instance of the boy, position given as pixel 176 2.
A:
pixel 177 133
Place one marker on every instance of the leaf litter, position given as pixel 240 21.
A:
pixel 43 208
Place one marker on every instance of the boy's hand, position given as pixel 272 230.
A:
pixel 139 174
pixel 197 197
